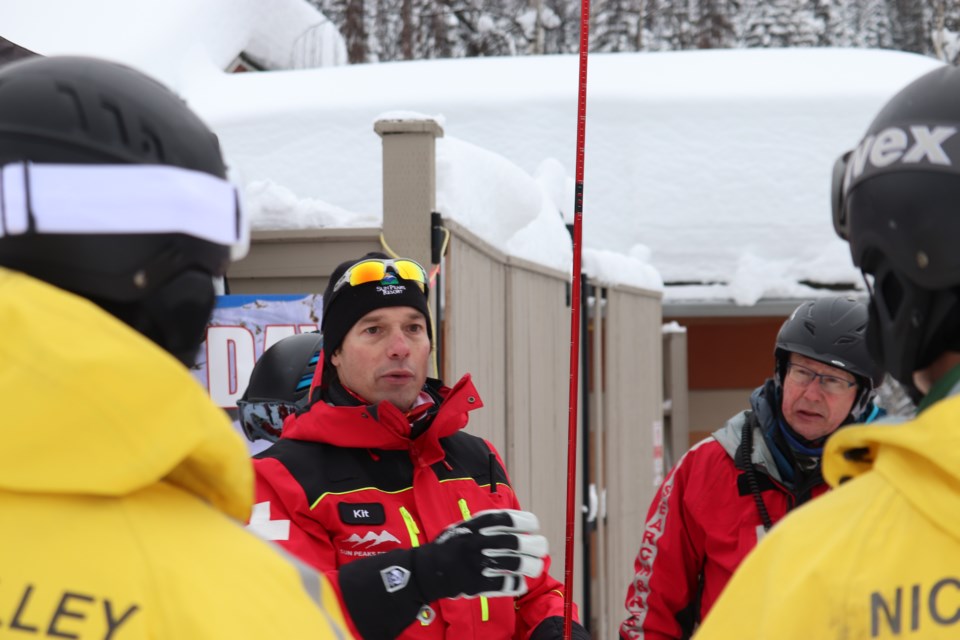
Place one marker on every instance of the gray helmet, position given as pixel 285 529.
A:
pixel 831 330
pixel 895 200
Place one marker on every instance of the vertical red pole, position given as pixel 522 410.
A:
pixel 575 324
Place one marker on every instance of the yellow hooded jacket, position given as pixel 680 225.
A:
pixel 123 492
pixel 878 557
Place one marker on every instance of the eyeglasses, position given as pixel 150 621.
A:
pixel 264 420
pixel 375 270
pixel 804 376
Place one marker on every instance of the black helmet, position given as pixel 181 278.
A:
pixel 895 200
pixel 69 122
pixel 279 384
pixel 831 330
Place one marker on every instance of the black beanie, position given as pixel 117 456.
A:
pixel 342 310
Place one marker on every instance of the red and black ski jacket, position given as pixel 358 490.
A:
pixel 349 482
pixel 709 513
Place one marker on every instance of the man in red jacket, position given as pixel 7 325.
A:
pixel 728 490
pixel 374 482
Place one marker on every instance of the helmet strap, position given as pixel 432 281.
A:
pixel 175 315
pixel 910 326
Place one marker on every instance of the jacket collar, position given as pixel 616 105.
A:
pixel 944 387
pixel 384 426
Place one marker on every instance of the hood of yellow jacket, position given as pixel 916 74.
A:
pixel 920 458
pixel 91 407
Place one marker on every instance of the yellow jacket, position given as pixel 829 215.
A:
pixel 123 492
pixel 879 557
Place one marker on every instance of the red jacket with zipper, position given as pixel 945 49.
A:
pixel 344 483
pixel 702 523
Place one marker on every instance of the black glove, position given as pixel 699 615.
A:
pixel 487 555
pixel 552 629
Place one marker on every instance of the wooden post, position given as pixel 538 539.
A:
pixel 409 184
pixel 410 193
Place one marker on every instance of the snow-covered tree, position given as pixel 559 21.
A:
pixel 909 25
pixel 613 26
pixel 780 23
pixel 415 29
pixel 714 29
pixel 945 31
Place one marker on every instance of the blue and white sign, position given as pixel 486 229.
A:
pixel 241 328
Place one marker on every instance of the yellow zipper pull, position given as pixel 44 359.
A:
pixel 484 604
pixel 412 527
pixel 464 509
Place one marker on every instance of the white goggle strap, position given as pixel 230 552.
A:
pixel 119 199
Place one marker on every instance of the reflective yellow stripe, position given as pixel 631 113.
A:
pixel 484 605
pixel 316 502
pixel 346 493
pixel 412 527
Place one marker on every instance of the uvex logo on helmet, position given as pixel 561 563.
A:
pixel 895 145
pixel 908 147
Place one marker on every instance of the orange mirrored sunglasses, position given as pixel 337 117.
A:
pixel 375 270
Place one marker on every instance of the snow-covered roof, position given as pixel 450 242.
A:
pixel 180 42
pixel 708 167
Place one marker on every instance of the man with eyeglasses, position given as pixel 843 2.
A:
pixel 727 491
pixel 374 481
pixel 878 557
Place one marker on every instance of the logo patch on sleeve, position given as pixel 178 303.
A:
pixel 395 578
pixel 362 513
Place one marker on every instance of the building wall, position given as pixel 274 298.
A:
pixel 298 260
pixel 727 358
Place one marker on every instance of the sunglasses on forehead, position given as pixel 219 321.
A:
pixel 375 270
